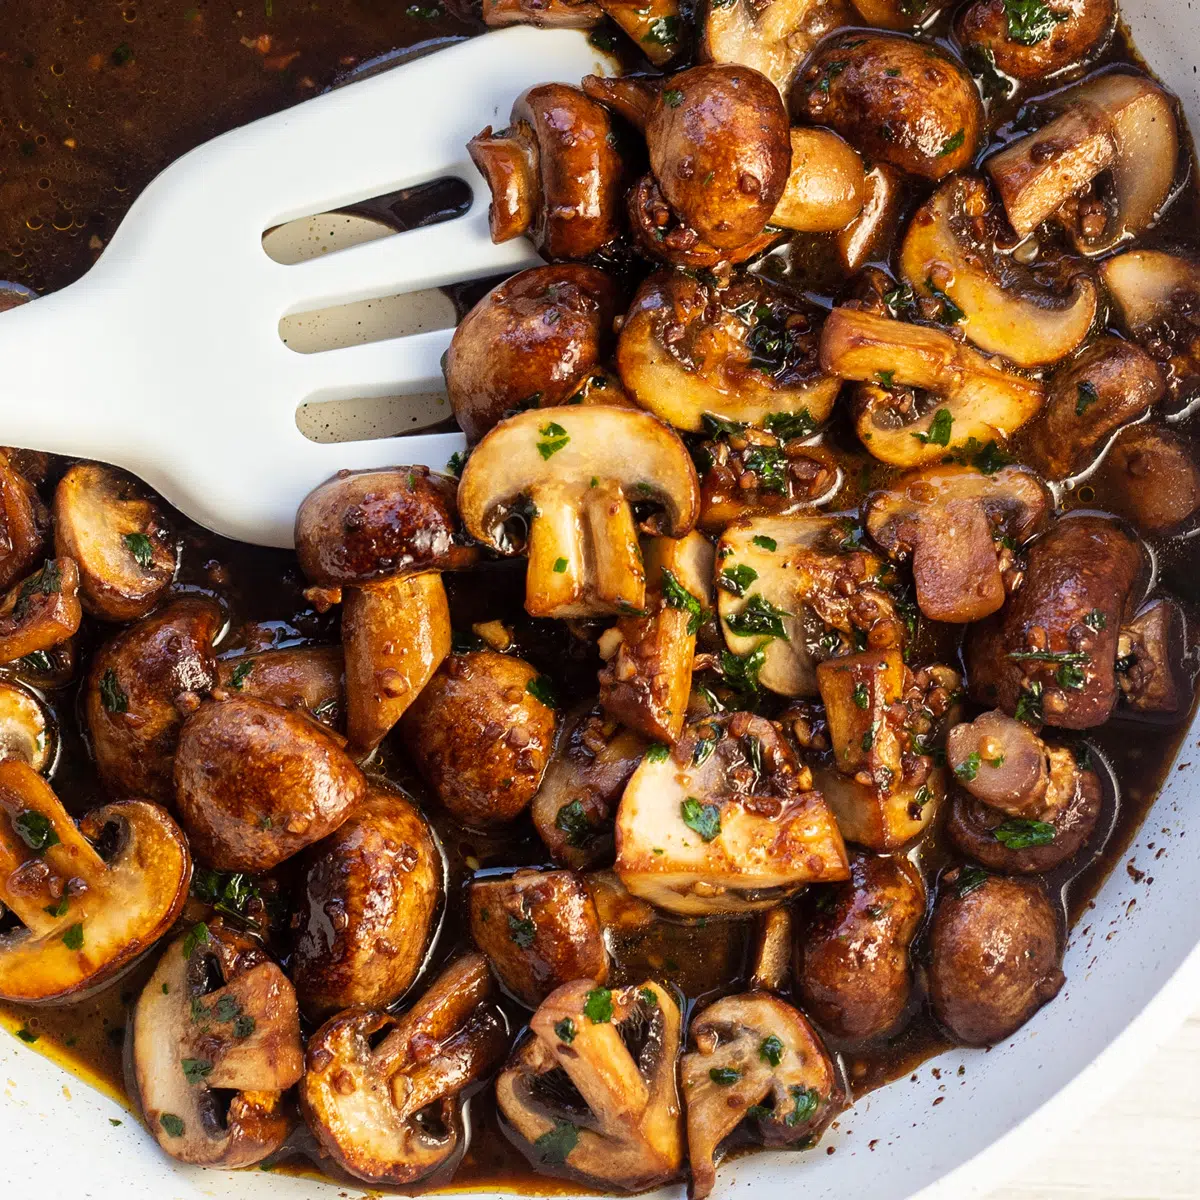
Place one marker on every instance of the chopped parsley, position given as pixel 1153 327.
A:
pixel 900 299
pixel 243 1027
pixel 228 892
pixel 939 429
pixel 970 879
pixel 724 1076
pixel 677 596
pixel 598 1006
pixel 1020 833
pixel 455 463
pixel 758 616
pixel 1029 704
pixel 112 694
pixel 73 938
pixel 554 438
pixel 1086 396
pixel 172 1125
pixel 969 767
pixel 805 1102
pixel 770 1050
pixel 703 751
pixel 58 910
pixel 770 464
pixel 1070 677
pixel 195 1069
pixel 664 31
pixel 862 696
pixel 704 819
pixel 1096 621
pixel 736 580
pixel 648 997
pixel 656 752
pixel 238 675
pixel 765 543
pixel 672 97
pixel 952 143
pixel 46 582
pixel 522 931
pixel 35 830
pixel 555 1145
pixel 1030 21
pixel 741 671
pixel 27 1035
pixel 141 547
pixel 196 936
pixel 560 566
pixel 542 689
pixel 715 426
pixel 788 425
pixel 565 1030
pixel 951 313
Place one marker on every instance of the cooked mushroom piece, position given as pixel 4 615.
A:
pixel 922 393
pixel 746 352
pixel 1150 659
pixel 22 522
pixel 958 526
pixel 725 821
pixel 26 732
pixel 995 954
pixel 592 1091
pixel 1151 478
pixel 361 526
pixel 756 1059
pixel 480 734
pixel 852 949
pixel 1048 655
pixel 647 674
pixel 539 930
pixel 577 470
pixel 574 808
pixel 772 950
pixel 104 520
pixel 370 895
pixel 545 14
pixel 894 99
pixel 895 14
pixel 84 917
pixel 825 189
pixel 194 1044
pixel 307 678
pixel 1031 43
pixel 949 255
pixel 41 611
pixel 802 589
pixel 141 687
pixel 656 26
pixel 255 784
pixel 866 236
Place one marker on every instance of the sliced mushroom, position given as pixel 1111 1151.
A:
pixel 825 189
pixel 949 254
pixel 308 678
pixel 51 669
pixel 104 520
pixel 742 353
pixel 22 522
pixel 545 14
pixel 923 392
pixel 726 821
pixel 255 783
pixel 41 611
pixel 772 950
pixel 867 235
pixel 390 1111
pixel 1150 477
pixel 1150 654
pixel 630 96
pixel 657 27
pixel 958 526
pixel 194 1044
pixel 805 589
pixel 895 14
pixel 480 734
pixel 579 469
pixel 361 526
pixel 574 808
pixel 141 687
pixel 895 99
pixel 755 1059
pixel 25 729
pixel 84 917
pixel 1035 43
pixel 539 930
pixel 593 1090
pixel 371 892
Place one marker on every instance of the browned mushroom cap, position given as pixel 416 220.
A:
pixel 546 14
pixel 1151 477
pixel 529 343
pixel 371 892
pixel 720 151
pixel 656 26
pixel 256 783
pixel 480 735
pixel 555 173
pixel 617 1051
pixel 1042 43
pixel 727 821
pixel 865 236
pixel 25 729
pixel 745 352
pixel 194 1044
pixel 308 678
pixel 753 1058
pixel 41 611
pixel 574 808
pixel 949 254
pixel 83 917
pixel 361 526
pixel 825 188
pixel 958 526
pixel 922 392
pixel 1150 655
pixel 895 99
pixel 579 468
pixel 539 930
pixel 115 532
pixel 996 955
pixel 22 523
pixel 390 1111
pixel 140 688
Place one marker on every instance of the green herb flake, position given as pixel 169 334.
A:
pixel 35 830
pixel 703 751
pixel 951 313
pixel 522 931
pixel 657 752
pixel 1030 21
pixel 868 739
pixel 741 671
pixel 564 1030
pixel 862 696
pixel 1029 704
pixel 571 819
pixel 455 464
pixel 195 1069
pixel 900 300
pixel 672 97
pixel 560 566
pixel 805 1102
pixel 648 997
pixel 226 1009
pixel 724 1076
pixel 970 879
pixel 141 547
pixel 788 425
pixel 1070 677
pixel 542 688
pixel 47 582
pixel 736 580
pixel 770 1050
pixel 598 1006
pixel 58 910
pixel 196 936
pixel 952 143
pixel 939 429
pixel 73 938
pixel 1020 833
pixel 758 617
pixel 238 675
pixel 765 543
pixel 714 426
pixel 27 1035
pixel 172 1125
pixel 555 1146
pixel 112 694
pixel 677 596
pixel 704 819
pixel 1096 621
pixel 664 31
pixel 1085 396
pixel 554 438
pixel 968 769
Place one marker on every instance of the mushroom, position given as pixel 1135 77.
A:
pixel 647 674
pixel 959 527
pixel 574 808
pixel 529 343
pixel 868 234
pixel 85 915
pixel 25 730
pixel 117 537
pixel 361 526
pixel 395 634
pixel 539 930
pixel 825 189
pixel 894 99
pixel 772 950
pixel 1036 42
pixel 255 784
pixel 480 734
pixel 656 26
pixel 967 400
pixel 578 470
pixel 746 352
pixel 212 1063
pixel 895 14
pixel 1151 660
pixel 307 678
pixel 41 611
pixel 22 522
pixel 50 669
pixel 726 821
pixel 949 253
pixel 140 688
pixel 803 589
pixel 1150 477
pixel 555 173
pixel 592 1091
pixel 545 14
pixel 371 892
pixel 754 1059
pixel 383 1093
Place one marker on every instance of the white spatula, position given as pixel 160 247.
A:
pixel 166 358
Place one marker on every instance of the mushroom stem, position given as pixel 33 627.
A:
pixel 555 539
pixel 508 160
pixel 858 345
pixel 825 189
pixel 620 578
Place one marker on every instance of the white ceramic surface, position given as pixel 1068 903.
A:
pixel 1133 970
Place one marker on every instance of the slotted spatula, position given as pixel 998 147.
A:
pixel 166 359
